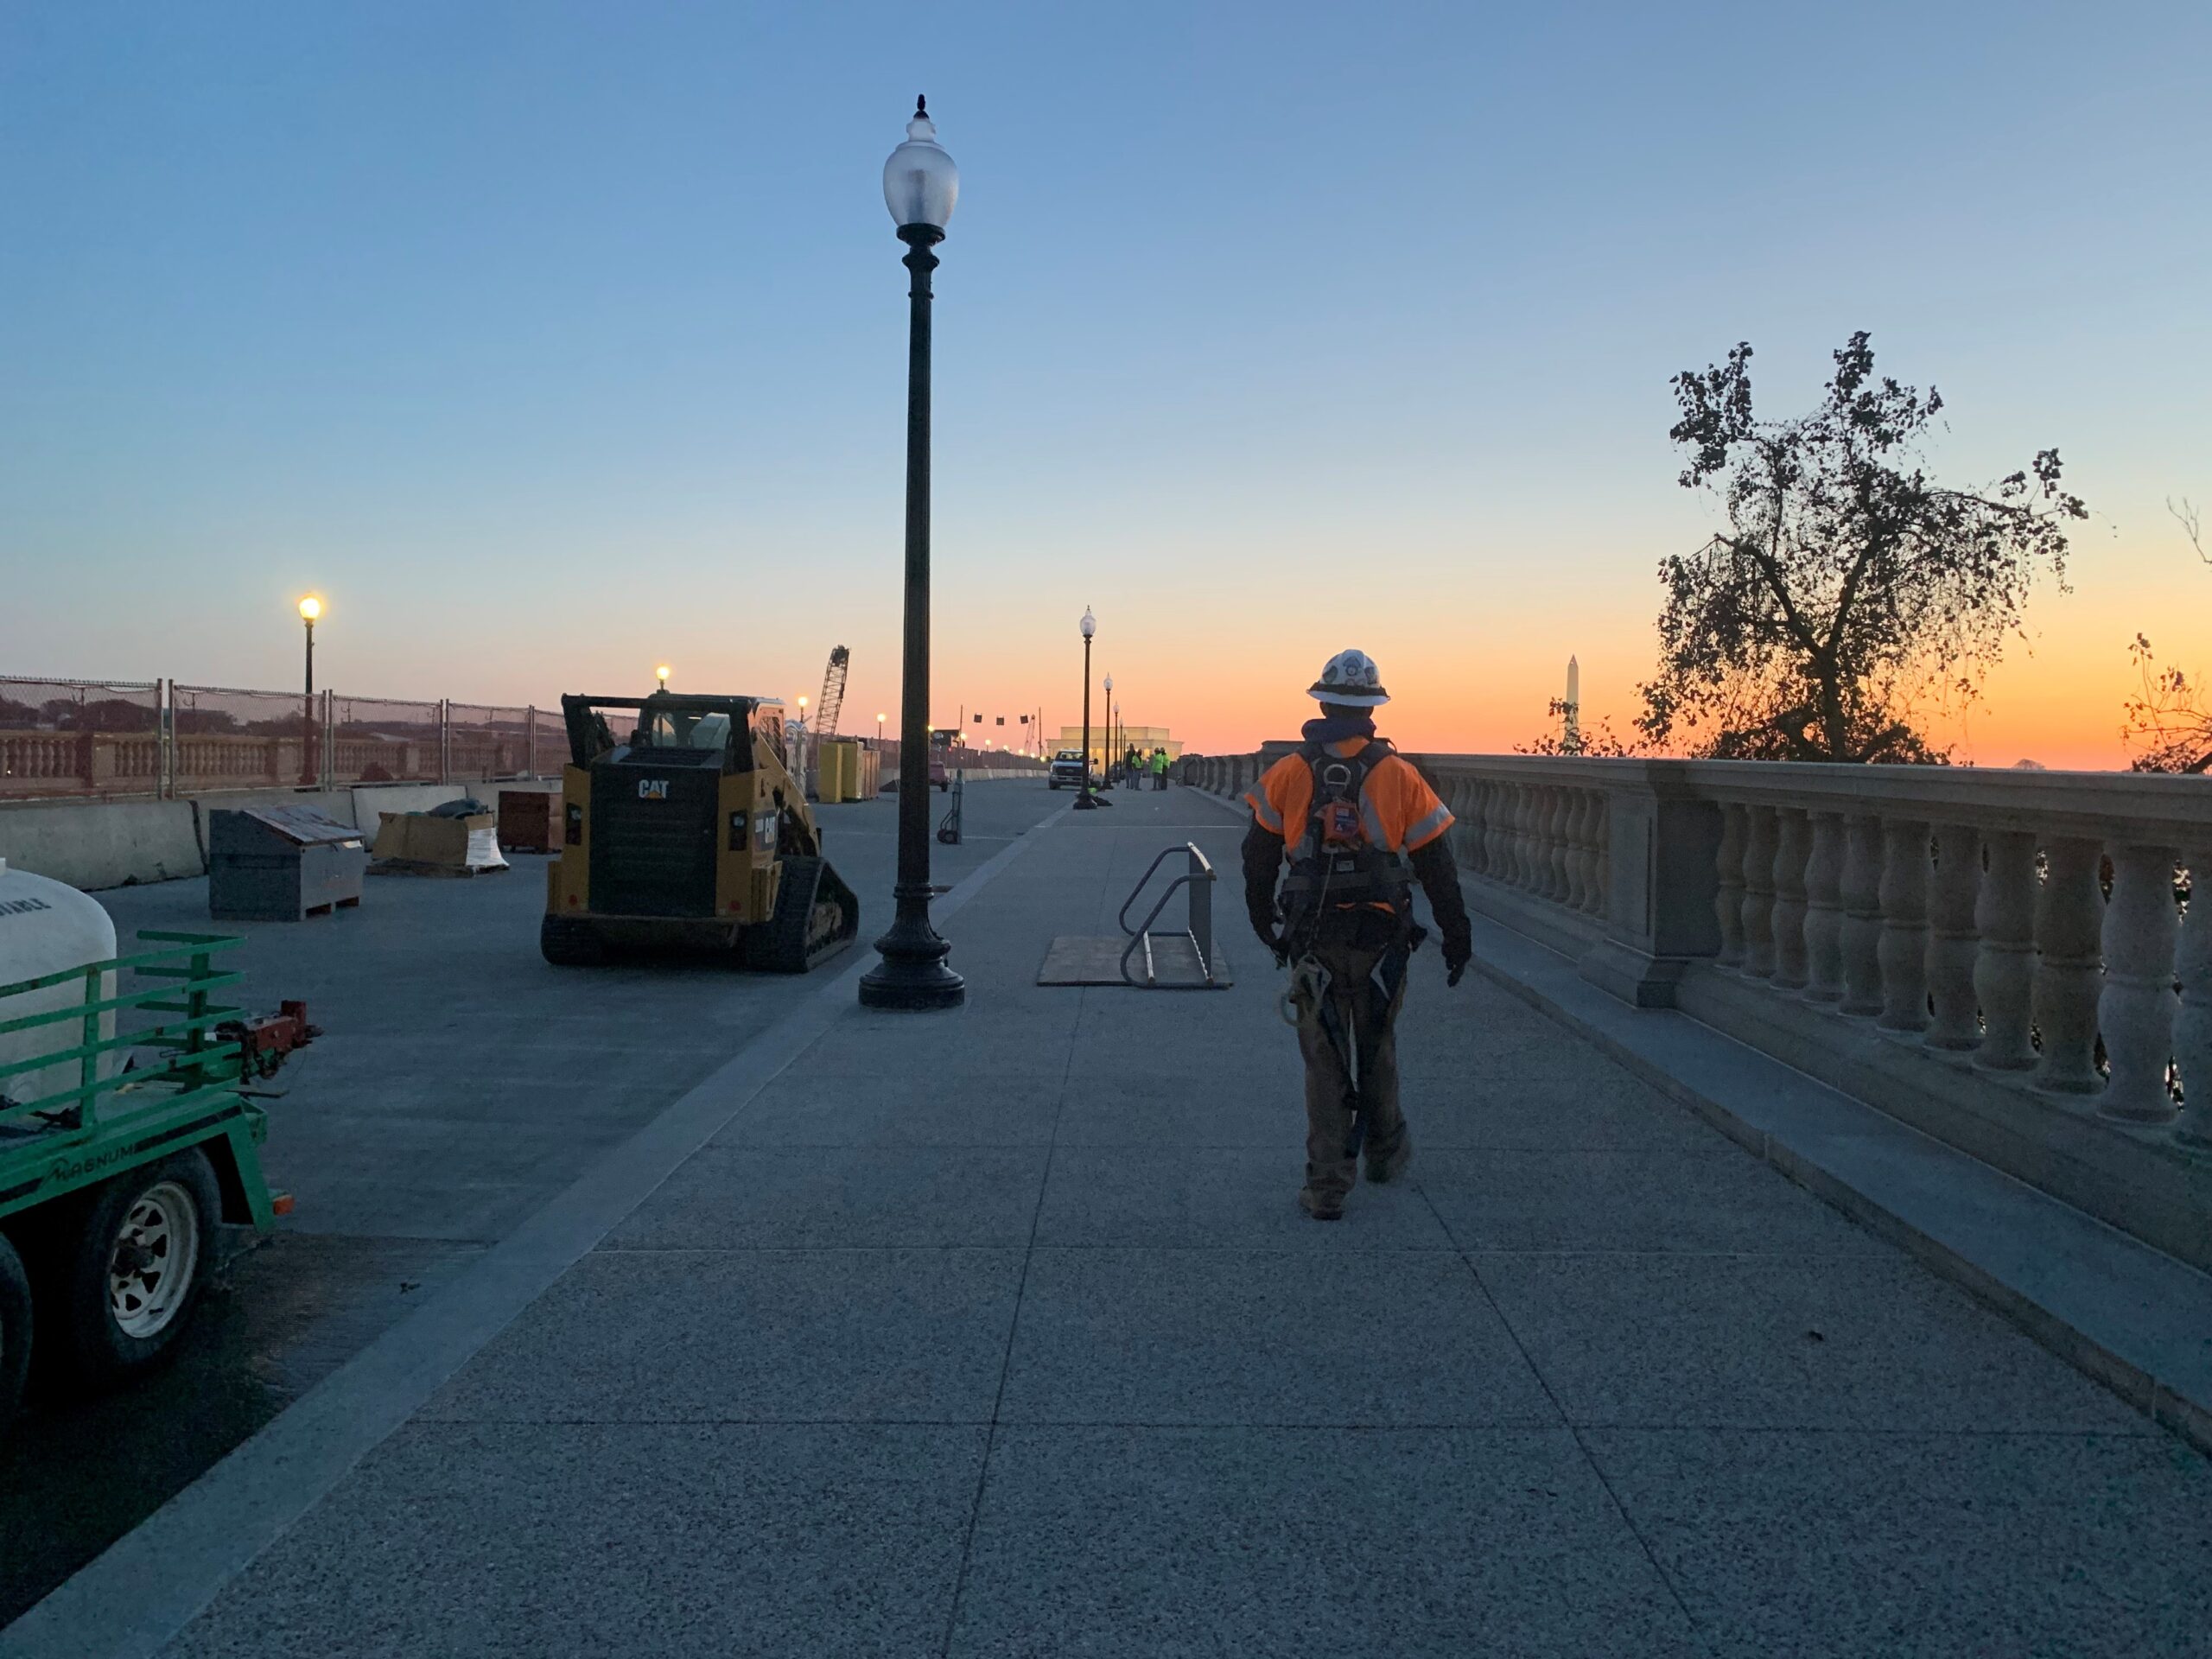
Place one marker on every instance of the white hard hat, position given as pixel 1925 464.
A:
pixel 1350 678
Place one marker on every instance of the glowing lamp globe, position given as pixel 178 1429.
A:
pixel 920 183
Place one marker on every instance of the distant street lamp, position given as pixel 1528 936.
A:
pixel 1086 800
pixel 310 610
pixel 921 186
pixel 1113 754
pixel 878 734
pixel 662 674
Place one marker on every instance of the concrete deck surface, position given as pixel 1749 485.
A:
pixel 460 1084
pixel 999 1332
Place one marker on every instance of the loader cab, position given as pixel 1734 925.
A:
pixel 667 729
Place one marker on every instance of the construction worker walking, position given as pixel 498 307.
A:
pixel 1355 825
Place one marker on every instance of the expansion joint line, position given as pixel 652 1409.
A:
pixel 1568 1423
pixel 1012 1333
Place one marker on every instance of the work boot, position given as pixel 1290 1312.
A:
pixel 1381 1172
pixel 1319 1207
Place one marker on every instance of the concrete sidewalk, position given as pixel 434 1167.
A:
pixel 999 1332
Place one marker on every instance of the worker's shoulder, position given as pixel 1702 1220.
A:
pixel 1399 773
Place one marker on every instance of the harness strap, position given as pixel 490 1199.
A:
pixel 1347 874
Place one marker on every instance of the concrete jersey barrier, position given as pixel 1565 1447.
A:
pixel 96 844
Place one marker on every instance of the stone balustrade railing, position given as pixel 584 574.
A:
pixel 2006 959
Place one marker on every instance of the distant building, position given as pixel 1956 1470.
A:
pixel 1143 739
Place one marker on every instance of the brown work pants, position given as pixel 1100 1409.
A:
pixel 1340 1114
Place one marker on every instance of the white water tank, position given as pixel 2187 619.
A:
pixel 47 926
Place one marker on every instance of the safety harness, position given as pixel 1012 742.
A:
pixel 1342 862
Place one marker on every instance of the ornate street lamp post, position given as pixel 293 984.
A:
pixel 920 184
pixel 1113 755
pixel 1086 800
pixel 310 773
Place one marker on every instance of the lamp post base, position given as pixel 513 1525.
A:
pixel 913 974
pixel 1088 803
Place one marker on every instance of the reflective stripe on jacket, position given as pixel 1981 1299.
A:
pixel 1397 809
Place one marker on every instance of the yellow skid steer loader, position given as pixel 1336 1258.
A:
pixel 680 826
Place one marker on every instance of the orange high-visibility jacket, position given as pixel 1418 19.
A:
pixel 1398 809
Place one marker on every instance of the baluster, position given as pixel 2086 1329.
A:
pixel 2005 967
pixel 1493 831
pixel 1824 910
pixel 1953 944
pixel 1793 844
pixel 1570 851
pixel 1528 840
pixel 2193 1025
pixel 1558 857
pixel 1862 915
pixel 1758 892
pixel 1902 947
pixel 1547 841
pixel 2135 1008
pixel 2069 966
pixel 1467 833
pixel 1578 849
pixel 1728 897
pixel 1601 892
pixel 1592 852
pixel 1507 865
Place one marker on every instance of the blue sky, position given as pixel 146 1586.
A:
pixel 548 340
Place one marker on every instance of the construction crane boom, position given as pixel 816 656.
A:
pixel 833 694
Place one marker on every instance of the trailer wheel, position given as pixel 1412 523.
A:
pixel 143 1253
pixel 15 1333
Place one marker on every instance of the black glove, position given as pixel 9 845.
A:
pixel 1458 953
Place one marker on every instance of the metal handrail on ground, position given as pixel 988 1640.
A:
pixel 954 819
pixel 1199 879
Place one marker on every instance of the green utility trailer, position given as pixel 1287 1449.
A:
pixel 111 1189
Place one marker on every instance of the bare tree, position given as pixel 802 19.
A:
pixel 2168 722
pixel 2185 514
pixel 1850 590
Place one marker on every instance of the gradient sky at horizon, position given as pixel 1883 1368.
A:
pixel 551 340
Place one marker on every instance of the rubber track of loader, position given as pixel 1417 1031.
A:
pixel 780 946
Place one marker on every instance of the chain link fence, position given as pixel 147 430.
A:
pixel 65 739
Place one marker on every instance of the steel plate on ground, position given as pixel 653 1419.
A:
pixel 1076 959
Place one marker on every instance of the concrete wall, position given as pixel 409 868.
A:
pixel 95 844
